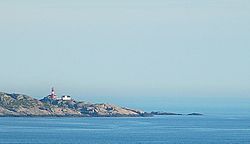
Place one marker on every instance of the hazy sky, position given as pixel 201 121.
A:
pixel 166 52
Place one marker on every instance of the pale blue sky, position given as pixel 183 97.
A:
pixel 175 53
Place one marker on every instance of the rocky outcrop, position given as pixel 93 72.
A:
pixel 23 105
pixel 165 113
pixel 107 110
pixel 170 113
pixel 195 114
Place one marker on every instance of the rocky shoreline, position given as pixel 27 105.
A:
pixel 19 105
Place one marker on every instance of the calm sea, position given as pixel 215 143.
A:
pixel 155 130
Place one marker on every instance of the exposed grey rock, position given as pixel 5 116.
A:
pixel 195 114
pixel 23 105
pixel 170 113
pixel 165 113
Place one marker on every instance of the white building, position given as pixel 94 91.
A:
pixel 66 98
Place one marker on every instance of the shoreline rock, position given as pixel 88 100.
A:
pixel 18 105
pixel 170 113
pixel 195 114
pixel 165 113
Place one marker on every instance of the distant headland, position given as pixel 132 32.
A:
pixel 19 105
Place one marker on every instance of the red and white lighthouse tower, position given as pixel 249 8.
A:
pixel 53 93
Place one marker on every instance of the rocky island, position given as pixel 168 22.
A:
pixel 23 105
pixel 19 105
pixel 170 113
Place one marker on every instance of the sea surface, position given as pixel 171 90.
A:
pixel 205 129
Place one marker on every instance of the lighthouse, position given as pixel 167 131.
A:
pixel 52 94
